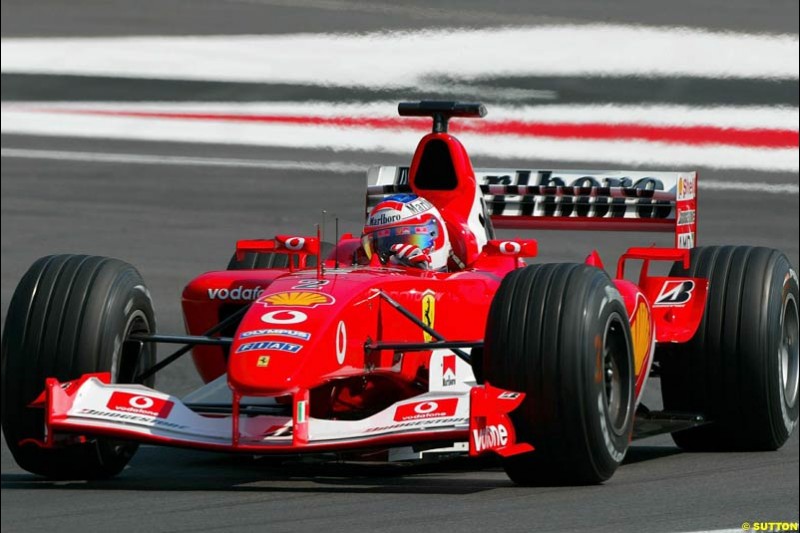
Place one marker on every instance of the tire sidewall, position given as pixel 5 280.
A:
pixel 128 305
pixel 608 446
pixel 784 290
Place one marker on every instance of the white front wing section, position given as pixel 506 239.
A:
pixel 139 413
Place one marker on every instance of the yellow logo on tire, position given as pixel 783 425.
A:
pixel 640 335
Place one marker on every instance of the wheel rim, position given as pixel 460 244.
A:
pixel 616 375
pixel 131 355
pixel 788 351
pixel 125 371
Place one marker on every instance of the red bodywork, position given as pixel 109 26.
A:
pixel 348 314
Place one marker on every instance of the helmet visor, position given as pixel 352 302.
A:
pixel 381 240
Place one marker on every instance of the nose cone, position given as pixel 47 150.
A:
pixel 275 341
pixel 267 361
pixel 302 332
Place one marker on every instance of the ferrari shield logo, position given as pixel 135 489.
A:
pixel 263 361
pixel 428 313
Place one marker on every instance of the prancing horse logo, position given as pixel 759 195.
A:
pixel 428 313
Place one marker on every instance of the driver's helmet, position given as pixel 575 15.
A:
pixel 407 229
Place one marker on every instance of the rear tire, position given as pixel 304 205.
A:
pixel 560 334
pixel 741 367
pixel 71 315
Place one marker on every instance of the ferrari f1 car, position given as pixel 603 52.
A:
pixel 307 347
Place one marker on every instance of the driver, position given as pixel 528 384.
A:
pixel 405 229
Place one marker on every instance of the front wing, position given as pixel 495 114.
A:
pixel 92 406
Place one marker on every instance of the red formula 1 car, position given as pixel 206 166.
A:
pixel 307 347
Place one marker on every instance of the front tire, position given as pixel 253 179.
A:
pixel 560 334
pixel 741 367
pixel 71 315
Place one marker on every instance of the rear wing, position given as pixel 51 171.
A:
pixel 574 199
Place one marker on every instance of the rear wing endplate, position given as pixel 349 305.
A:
pixel 574 199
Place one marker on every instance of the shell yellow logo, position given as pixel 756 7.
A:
pixel 296 299
pixel 640 335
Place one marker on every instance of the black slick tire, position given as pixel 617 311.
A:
pixel 560 334
pixel 740 370
pixel 71 315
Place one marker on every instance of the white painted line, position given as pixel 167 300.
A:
pixel 335 167
pixel 772 117
pixel 615 152
pixel 146 159
pixel 403 59
pixel 741 186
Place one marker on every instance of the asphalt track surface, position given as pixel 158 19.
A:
pixel 175 221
